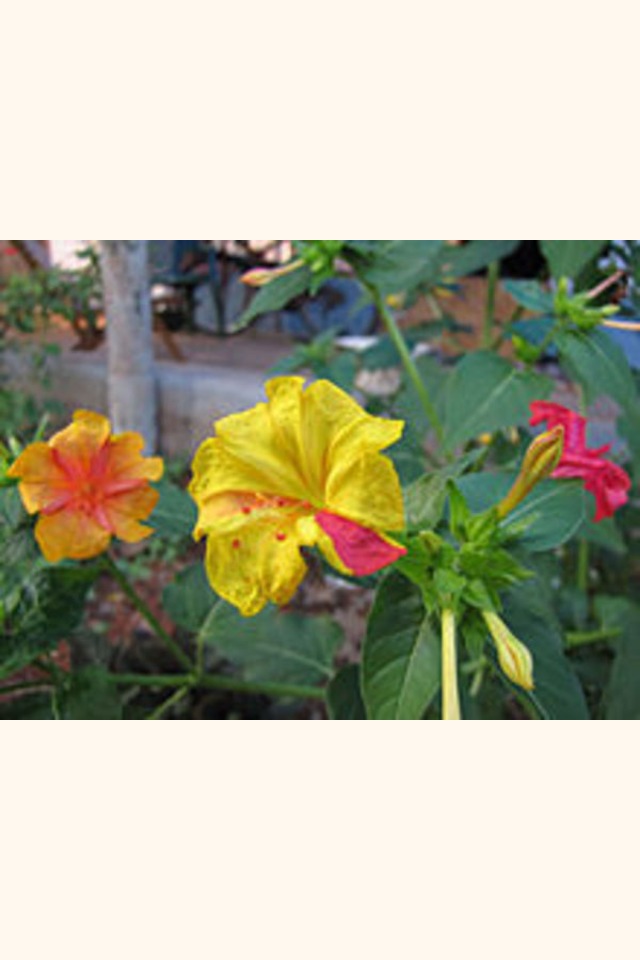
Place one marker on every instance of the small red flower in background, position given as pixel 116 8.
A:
pixel 604 479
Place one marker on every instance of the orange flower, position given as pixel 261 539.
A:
pixel 87 486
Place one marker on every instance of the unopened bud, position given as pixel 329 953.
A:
pixel 540 460
pixel 260 276
pixel 514 658
pixel 396 301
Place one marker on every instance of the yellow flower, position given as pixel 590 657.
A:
pixel 302 470
pixel 87 486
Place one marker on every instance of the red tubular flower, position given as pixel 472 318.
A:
pixel 604 479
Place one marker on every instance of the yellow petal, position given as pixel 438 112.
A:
pixel 41 478
pixel 70 535
pixel 258 563
pixel 124 510
pixel 335 429
pixel 125 459
pixel 368 491
pixel 83 437
pixel 286 403
pixel 251 442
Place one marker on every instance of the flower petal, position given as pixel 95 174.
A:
pixel 264 458
pixel 286 405
pixel 258 562
pixel 80 441
pixel 556 415
pixel 607 481
pixel 361 550
pixel 610 486
pixel 123 511
pixel 336 430
pixel 124 463
pixel 70 535
pixel 42 480
pixel 366 490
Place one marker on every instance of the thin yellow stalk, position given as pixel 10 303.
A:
pixel 450 694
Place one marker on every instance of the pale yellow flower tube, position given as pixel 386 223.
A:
pixel 450 694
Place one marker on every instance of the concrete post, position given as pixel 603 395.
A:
pixel 130 363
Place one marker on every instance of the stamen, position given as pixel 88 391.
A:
pixel 235 544
pixel 281 536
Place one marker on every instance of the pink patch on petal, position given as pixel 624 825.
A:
pixel 360 549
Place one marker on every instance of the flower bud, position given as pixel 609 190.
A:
pixel 261 276
pixel 514 658
pixel 540 460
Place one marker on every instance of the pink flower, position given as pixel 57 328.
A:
pixel 604 479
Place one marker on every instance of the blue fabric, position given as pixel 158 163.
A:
pixel 337 305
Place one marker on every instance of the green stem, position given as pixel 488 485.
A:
pixel 396 337
pixel 205 628
pixel 493 273
pixel 175 697
pixel 211 682
pixel 578 638
pixel 25 686
pixel 200 653
pixel 142 608
pixel 582 573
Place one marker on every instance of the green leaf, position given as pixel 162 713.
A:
pixel 91 696
pixel 622 696
pixel 396 265
pixel 474 256
pixel 599 365
pixel 557 694
pixel 407 404
pixel 401 655
pixel 487 393
pixel 567 258
pixel 48 607
pixel 552 513
pixel 275 646
pixel 344 699
pixel 175 514
pixel 604 534
pixel 11 509
pixel 530 294
pixel 35 706
pixel 275 295
pixel 425 498
pixel 189 599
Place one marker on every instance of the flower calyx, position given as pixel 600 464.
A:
pixel 572 308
